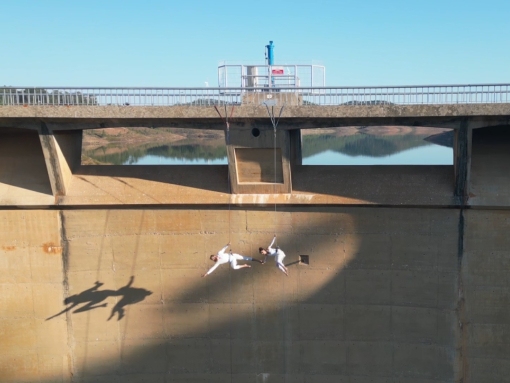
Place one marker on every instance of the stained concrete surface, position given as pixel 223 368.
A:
pixel 490 167
pixel 369 305
pixel 487 295
pixel 208 184
pixel 390 295
pixel 253 111
pixel 31 289
pixel 294 117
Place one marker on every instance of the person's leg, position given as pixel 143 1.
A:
pixel 240 257
pixel 243 258
pixel 233 262
pixel 282 267
pixel 280 256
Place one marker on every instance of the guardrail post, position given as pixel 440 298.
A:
pixel 296 153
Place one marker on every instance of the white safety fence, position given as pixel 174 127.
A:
pixel 381 95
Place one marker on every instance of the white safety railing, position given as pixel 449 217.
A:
pixel 381 95
pixel 271 76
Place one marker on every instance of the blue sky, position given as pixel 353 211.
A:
pixel 180 43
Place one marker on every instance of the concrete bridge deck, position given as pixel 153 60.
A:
pixel 243 116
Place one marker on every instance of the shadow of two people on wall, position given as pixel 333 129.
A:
pixel 92 297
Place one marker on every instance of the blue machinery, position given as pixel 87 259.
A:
pixel 270 62
pixel 270 53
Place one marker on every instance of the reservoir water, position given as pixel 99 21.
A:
pixel 425 155
pixel 413 146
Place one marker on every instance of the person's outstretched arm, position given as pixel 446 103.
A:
pixel 211 269
pixel 225 248
pixel 272 242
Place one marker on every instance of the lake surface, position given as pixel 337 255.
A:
pixel 318 149
pixel 161 160
pixel 426 155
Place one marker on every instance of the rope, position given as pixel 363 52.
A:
pixel 230 321
pixel 285 321
pixel 274 122
pixel 227 140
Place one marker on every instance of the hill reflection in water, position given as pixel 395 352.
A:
pixel 375 147
pixel 355 146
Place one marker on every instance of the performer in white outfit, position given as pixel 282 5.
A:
pixel 276 253
pixel 223 257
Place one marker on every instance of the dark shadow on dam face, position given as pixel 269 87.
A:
pixel 206 177
pixel 92 297
pixel 23 166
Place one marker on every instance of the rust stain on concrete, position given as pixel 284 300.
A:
pixel 51 248
pixel 9 248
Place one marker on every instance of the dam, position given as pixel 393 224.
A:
pixel 396 273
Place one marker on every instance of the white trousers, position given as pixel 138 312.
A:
pixel 238 257
pixel 280 255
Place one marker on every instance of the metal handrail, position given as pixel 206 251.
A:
pixel 350 95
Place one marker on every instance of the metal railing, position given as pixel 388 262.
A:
pixel 271 76
pixel 380 95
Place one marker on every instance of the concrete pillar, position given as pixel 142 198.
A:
pixel 257 162
pixel 462 160
pixel 62 154
pixel 296 153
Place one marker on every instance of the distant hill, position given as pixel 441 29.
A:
pixel 443 139
pixel 361 144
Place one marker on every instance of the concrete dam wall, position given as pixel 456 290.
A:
pixel 101 267
pixel 389 295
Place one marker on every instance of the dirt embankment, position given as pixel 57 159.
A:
pixel 377 131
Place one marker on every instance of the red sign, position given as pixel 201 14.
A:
pixel 277 70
